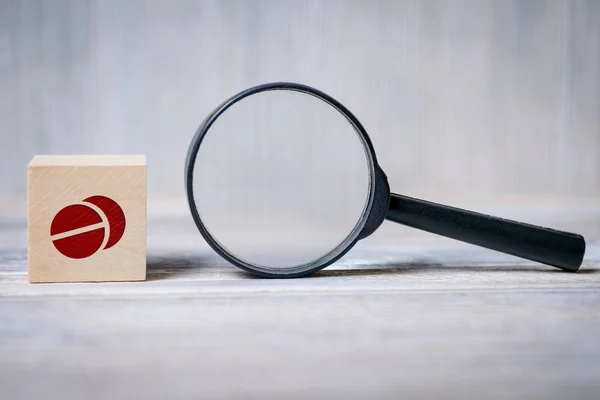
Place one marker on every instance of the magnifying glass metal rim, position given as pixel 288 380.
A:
pixel 376 178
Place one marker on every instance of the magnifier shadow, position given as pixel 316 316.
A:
pixel 172 267
pixel 412 267
pixel 388 268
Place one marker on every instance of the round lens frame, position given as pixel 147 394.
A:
pixel 374 211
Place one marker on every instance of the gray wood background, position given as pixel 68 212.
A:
pixel 462 98
pixel 416 318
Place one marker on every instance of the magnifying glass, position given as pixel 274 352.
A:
pixel 282 180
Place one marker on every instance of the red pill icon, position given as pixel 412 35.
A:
pixel 80 230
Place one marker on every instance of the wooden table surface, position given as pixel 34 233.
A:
pixel 398 317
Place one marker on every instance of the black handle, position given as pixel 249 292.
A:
pixel 560 249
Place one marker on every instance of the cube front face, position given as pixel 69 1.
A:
pixel 87 219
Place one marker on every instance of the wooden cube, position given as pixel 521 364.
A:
pixel 87 218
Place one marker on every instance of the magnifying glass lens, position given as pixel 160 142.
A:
pixel 282 180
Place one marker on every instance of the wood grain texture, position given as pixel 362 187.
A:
pixel 396 318
pixel 58 184
pixel 479 97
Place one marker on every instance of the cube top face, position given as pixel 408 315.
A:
pixel 98 160
pixel 87 218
